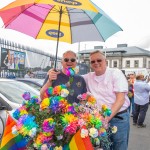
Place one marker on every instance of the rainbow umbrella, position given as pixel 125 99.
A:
pixel 68 21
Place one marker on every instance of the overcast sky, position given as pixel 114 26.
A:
pixel 131 15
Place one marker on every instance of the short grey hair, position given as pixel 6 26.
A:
pixel 97 51
pixel 69 51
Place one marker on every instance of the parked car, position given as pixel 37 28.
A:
pixel 40 74
pixel 11 98
pixel 36 83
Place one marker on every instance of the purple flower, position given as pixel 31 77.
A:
pixel 26 96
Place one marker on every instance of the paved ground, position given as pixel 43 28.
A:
pixel 140 137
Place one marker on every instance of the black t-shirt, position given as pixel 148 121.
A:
pixel 77 87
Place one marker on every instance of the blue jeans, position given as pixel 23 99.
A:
pixel 120 138
pixel 131 105
pixel 140 113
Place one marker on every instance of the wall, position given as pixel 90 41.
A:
pixel 132 59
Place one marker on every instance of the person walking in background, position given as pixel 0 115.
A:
pixel 109 86
pixel 141 100
pixel 131 80
pixel 28 74
pixel 54 78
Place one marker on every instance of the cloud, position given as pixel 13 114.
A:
pixel 144 42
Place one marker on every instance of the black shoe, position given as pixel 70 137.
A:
pixel 134 123
pixel 142 126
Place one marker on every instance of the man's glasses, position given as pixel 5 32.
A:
pixel 67 59
pixel 94 61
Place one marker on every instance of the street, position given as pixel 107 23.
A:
pixel 139 138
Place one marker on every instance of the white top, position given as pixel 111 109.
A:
pixel 141 92
pixel 104 87
pixel 27 76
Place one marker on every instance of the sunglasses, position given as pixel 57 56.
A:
pixel 67 59
pixel 94 61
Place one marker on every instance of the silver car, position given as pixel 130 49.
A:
pixel 11 98
pixel 36 83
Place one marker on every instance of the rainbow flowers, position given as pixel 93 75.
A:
pixel 52 122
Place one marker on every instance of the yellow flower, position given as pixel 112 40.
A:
pixel 58 148
pixel 104 107
pixel 45 103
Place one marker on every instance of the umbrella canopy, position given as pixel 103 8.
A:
pixel 73 21
pixel 41 21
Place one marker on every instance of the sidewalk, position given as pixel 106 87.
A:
pixel 139 138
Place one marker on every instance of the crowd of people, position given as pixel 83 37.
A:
pixel 29 74
pixel 139 89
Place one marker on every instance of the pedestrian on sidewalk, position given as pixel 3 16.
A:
pixel 131 80
pixel 141 100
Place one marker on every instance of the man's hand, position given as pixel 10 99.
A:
pixel 53 74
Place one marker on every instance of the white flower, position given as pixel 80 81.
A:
pixel 114 129
pixel 84 133
pixel 32 132
pixel 93 132
pixel 14 130
pixel 44 147
pixel 97 141
pixel 59 137
pixel 64 93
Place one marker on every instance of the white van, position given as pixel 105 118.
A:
pixel 143 71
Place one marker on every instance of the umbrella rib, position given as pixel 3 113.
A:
pixel 95 25
pixel 47 8
pixel 70 22
pixel 45 17
pixel 13 18
pixel 76 12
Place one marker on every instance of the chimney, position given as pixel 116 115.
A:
pixel 122 45
pixel 98 47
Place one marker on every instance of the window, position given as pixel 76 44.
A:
pixel 136 63
pixel 87 62
pixel 86 55
pixel 115 64
pixel 107 63
pixel 148 64
pixel 128 63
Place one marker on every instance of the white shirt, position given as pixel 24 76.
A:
pixel 105 86
pixel 141 92
pixel 27 76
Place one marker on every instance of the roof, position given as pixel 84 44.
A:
pixel 124 50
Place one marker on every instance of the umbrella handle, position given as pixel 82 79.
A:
pixel 60 15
